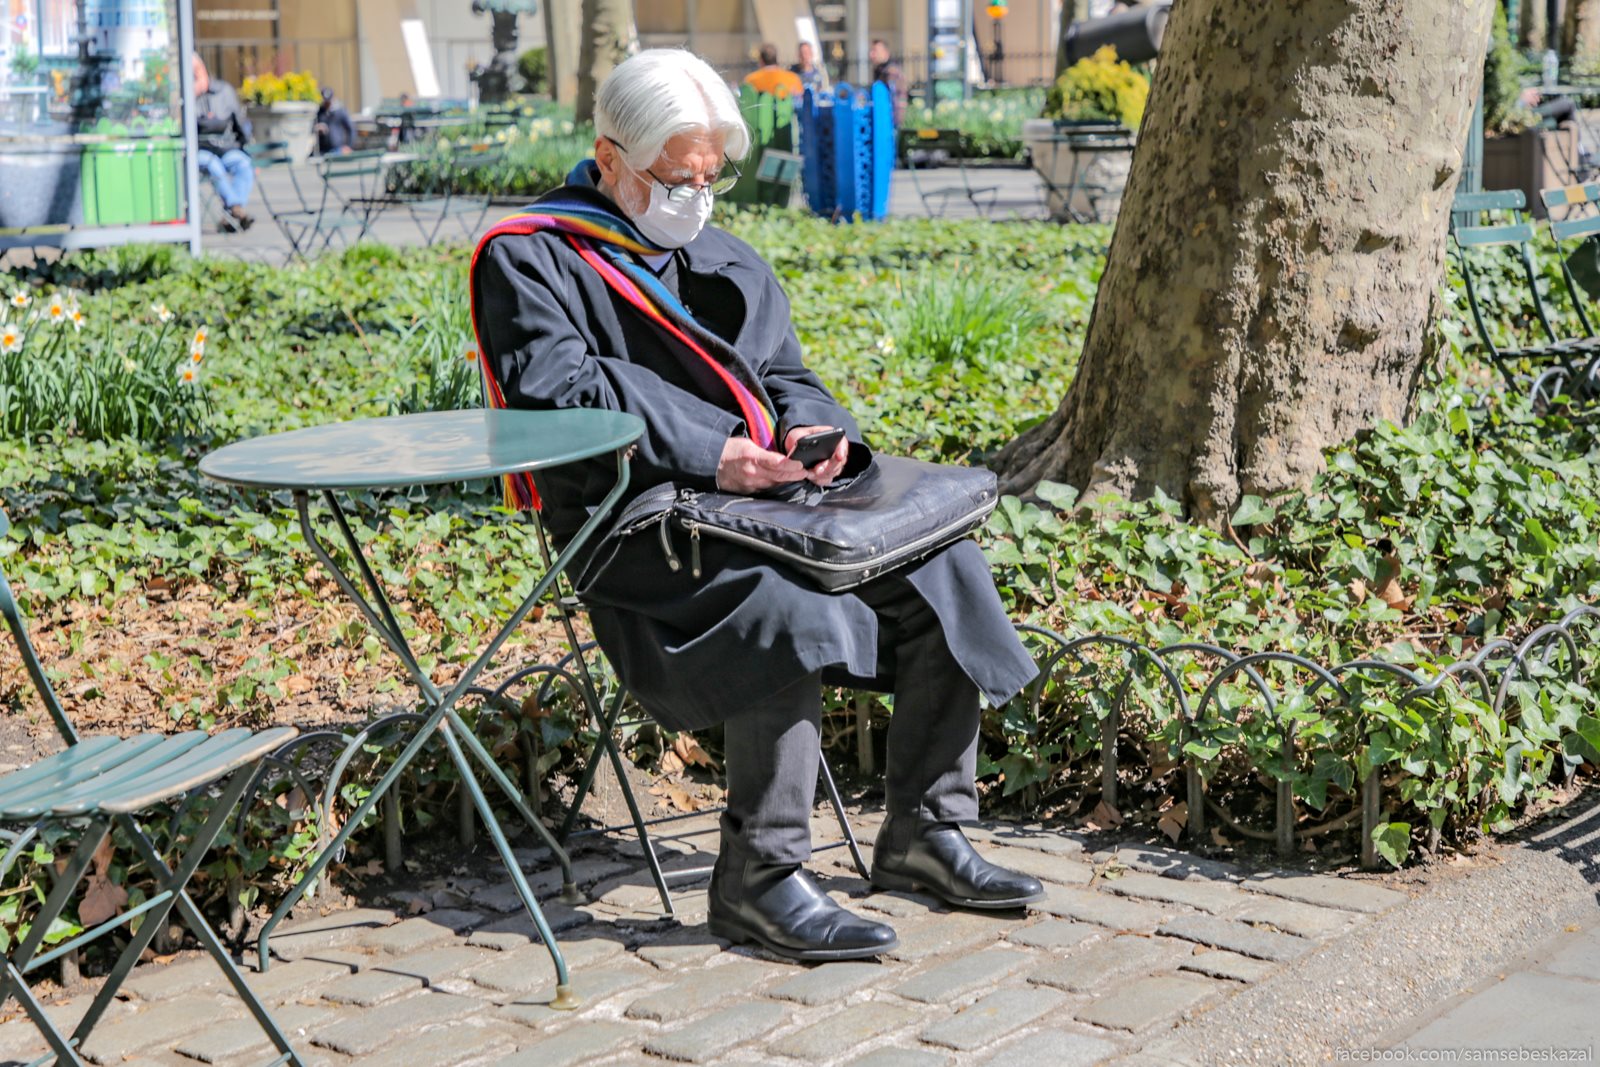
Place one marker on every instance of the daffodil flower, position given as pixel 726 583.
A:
pixel 77 318
pixel 10 340
pixel 161 312
pixel 56 311
pixel 20 299
pixel 200 337
pixel 189 374
pixel 472 355
pixel 196 355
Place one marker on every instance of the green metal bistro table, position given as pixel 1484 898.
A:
pixel 398 452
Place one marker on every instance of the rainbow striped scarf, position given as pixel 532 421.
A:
pixel 604 238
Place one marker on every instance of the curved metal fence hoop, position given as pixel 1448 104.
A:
pixel 1549 633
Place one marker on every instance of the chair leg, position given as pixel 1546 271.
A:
pixel 65 1053
pixel 844 821
pixel 607 724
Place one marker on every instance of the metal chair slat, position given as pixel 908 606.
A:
pixel 170 749
pixel 1570 228
pixel 1510 233
pixel 67 768
pixel 219 760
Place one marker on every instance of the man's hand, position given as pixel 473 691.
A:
pixel 825 472
pixel 746 467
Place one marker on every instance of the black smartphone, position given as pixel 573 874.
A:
pixel 816 447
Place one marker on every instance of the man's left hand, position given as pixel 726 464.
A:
pixel 825 472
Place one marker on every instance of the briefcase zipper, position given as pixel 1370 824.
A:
pixel 665 530
pixel 694 549
pixel 767 546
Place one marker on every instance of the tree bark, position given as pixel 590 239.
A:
pixel 607 29
pixel 1531 33
pixel 1580 34
pixel 1276 266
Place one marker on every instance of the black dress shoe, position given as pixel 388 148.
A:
pixel 937 857
pixel 784 911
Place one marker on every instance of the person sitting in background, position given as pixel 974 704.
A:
pixel 771 78
pixel 336 133
pixel 806 70
pixel 887 71
pixel 223 132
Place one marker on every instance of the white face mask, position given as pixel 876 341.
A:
pixel 670 224
pixel 667 223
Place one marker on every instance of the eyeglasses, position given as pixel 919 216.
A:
pixel 683 192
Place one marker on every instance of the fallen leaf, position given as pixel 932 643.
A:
pixel 1103 817
pixel 1219 838
pixel 1173 820
pixel 690 752
pixel 671 764
pixel 102 898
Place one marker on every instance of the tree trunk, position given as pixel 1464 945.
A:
pixel 607 29
pixel 1580 34
pixel 1276 267
pixel 1531 33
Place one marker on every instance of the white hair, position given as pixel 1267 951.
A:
pixel 651 97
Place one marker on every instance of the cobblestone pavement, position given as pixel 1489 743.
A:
pixel 1127 944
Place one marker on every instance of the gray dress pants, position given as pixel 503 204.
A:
pixel 772 750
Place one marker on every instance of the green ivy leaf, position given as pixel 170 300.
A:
pixel 1393 841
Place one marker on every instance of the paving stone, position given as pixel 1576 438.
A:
pixel 433 966
pixel 965 974
pixel 1231 965
pixel 221 1041
pixel 1214 897
pixel 705 1038
pixel 369 988
pixel 829 982
pixel 1293 917
pixel 526 968
pixel 515 931
pixel 576 1045
pixel 1238 937
pixel 1065 870
pixel 328 931
pixel 992 1018
pixel 447 1046
pixel 1060 842
pixel 1097 965
pixel 534 1008
pixel 1055 934
pixel 503 897
pixel 827 1038
pixel 898 905
pixel 1054 1048
pixel 1107 909
pixel 1169 862
pixel 901 1057
pixel 630 897
pixel 1145 1002
pixel 407 936
pixel 1577 956
pixel 371 1030
pixel 691 945
pixel 1326 891
pixel 161 1024
pixel 952 932
pixel 296 977
pixel 696 992
pixel 155 982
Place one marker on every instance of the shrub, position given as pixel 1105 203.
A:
pixel 265 89
pixel 1099 87
pixel 533 67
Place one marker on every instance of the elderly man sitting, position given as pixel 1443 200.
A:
pixel 613 292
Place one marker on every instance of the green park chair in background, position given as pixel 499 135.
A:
pixel 1553 362
pixel 930 147
pixel 772 126
pixel 98 786
pixel 1578 240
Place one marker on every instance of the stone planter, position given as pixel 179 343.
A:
pixel 1531 160
pixel 1097 191
pixel 43 184
pixel 291 121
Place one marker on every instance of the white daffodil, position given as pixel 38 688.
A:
pixel 161 312
pixel 20 299
pixel 10 339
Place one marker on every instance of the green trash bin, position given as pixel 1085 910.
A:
pixel 133 181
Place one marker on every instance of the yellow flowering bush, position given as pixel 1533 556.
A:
pixel 264 89
pixel 1099 87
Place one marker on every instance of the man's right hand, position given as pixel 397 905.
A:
pixel 746 467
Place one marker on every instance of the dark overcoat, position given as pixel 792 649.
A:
pixel 697 651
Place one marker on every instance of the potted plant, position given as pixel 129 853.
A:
pixel 1098 101
pixel 282 108
pixel 1517 152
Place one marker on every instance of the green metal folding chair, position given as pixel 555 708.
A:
pixel 1579 226
pixel 98 785
pixel 1559 358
